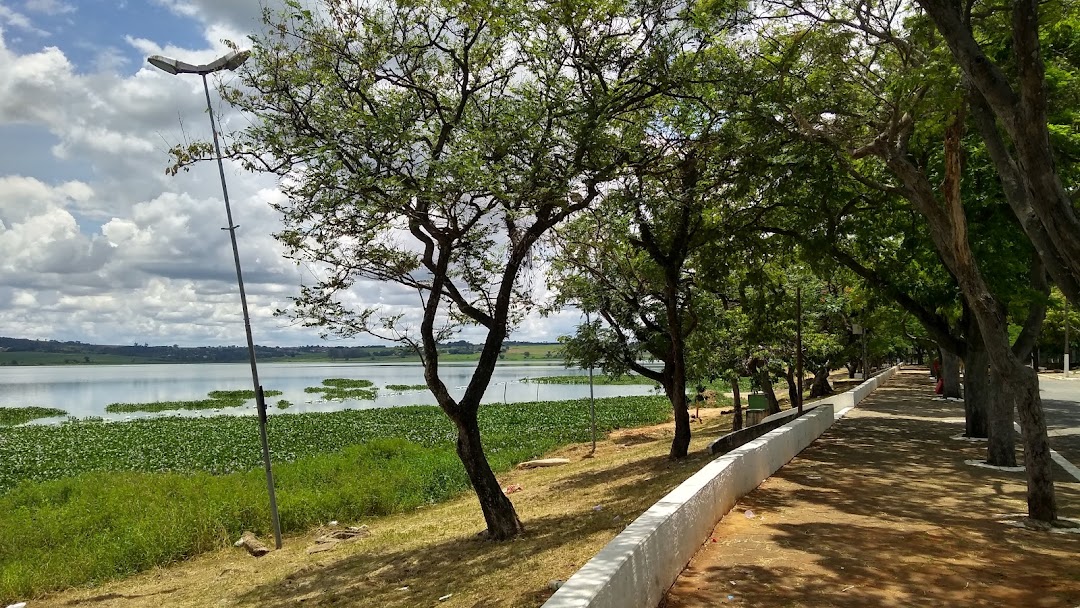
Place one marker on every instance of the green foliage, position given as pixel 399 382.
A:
pixel 283 404
pixel 10 416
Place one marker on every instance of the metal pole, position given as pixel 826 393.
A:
pixel 798 346
pixel 592 401
pixel 1068 351
pixel 259 398
pixel 865 358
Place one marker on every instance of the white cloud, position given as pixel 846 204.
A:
pixel 49 7
pixel 9 16
pixel 125 253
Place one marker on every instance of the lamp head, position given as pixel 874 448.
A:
pixel 174 66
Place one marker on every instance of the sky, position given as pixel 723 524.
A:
pixel 97 243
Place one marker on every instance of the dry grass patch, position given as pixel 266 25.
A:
pixel 570 513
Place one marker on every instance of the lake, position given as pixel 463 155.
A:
pixel 85 390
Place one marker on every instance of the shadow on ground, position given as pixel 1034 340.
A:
pixel 882 511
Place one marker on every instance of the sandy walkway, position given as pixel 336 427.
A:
pixel 882 511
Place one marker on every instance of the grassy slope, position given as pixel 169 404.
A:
pixel 80 519
pixel 434 551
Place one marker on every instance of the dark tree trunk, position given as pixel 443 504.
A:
pixel 1036 364
pixel 948 229
pixel 821 386
pixel 499 513
pixel 1001 441
pixel 852 367
pixel 736 420
pixel 977 391
pixel 1022 389
pixel 792 387
pixel 770 394
pixel 676 393
pixel 950 373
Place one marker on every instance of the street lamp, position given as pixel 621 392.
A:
pixel 230 62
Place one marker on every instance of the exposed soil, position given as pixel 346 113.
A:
pixel 882 511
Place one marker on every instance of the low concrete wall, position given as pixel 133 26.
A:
pixel 734 439
pixel 641 562
pixel 638 565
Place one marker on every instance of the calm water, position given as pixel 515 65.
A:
pixel 86 390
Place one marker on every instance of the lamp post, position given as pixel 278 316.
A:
pixel 230 62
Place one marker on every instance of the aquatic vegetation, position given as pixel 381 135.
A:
pixel 226 444
pixel 217 400
pixel 89 500
pixel 10 416
pixel 241 394
pixel 339 389
pixel 598 380
pixel 406 387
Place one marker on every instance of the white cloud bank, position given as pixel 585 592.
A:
pixel 121 252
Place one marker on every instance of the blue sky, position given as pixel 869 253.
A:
pixel 97 244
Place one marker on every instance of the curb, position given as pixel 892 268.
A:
pixel 643 561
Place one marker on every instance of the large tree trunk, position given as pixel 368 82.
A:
pixel 770 395
pixel 680 444
pixel 821 386
pixel 950 373
pixel 499 513
pixel 1022 389
pixel 1026 169
pixel 736 420
pixel 948 229
pixel 977 391
pixel 1001 441
pixel 852 367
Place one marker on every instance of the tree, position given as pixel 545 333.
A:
pixel 1010 105
pixel 628 259
pixel 910 137
pixel 432 145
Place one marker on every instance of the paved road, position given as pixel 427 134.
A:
pixel 1061 403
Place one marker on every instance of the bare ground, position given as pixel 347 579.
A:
pixel 882 511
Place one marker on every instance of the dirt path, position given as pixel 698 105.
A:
pixel 882 511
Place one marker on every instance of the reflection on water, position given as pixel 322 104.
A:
pixel 86 390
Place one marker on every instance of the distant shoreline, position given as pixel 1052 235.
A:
pixel 15 352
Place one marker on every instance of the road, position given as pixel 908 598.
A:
pixel 1061 403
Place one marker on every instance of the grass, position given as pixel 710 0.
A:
pixel 10 416
pixel 217 400
pixel 434 550
pixel 86 501
pixel 406 387
pixel 598 379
